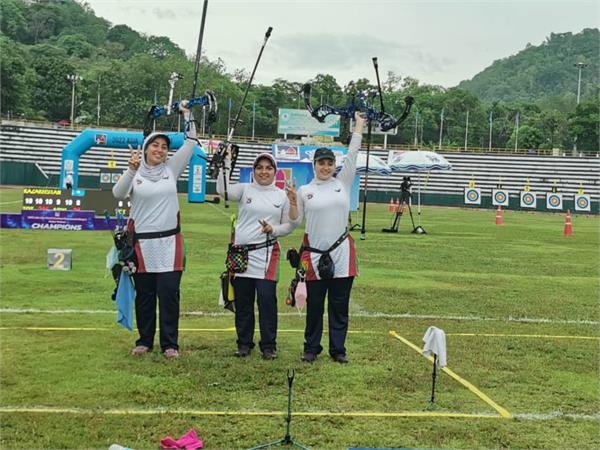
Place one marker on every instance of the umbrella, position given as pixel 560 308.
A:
pixel 376 164
pixel 418 161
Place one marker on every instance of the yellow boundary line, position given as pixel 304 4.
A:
pixel 195 412
pixel 502 411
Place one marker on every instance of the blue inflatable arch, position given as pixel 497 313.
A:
pixel 69 168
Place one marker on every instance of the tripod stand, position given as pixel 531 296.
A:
pixel 404 200
pixel 287 439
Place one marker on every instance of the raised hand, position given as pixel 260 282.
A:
pixel 266 228
pixel 290 191
pixel 183 106
pixel 359 121
pixel 134 158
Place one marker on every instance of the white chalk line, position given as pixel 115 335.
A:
pixel 363 313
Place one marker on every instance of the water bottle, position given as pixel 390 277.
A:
pixel 118 447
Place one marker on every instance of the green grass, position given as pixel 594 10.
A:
pixel 467 274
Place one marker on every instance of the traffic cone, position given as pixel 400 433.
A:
pixel 391 205
pixel 397 205
pixel 568 225
pixel 499 216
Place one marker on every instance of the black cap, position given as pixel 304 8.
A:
pixel 323 153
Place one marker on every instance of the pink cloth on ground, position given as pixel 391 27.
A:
pixel 188 441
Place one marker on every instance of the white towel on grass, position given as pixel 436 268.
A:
pixel 435 342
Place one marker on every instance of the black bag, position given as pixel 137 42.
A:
pixel 126 250
pixel 326 267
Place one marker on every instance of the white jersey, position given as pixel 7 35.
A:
pixel 258 202
pixel 154 208
pixel 325 206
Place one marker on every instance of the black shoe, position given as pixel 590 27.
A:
pixel 243 351
pixel 269 354
pixel 340 358
pixel 309 357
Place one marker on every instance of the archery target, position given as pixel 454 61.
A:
pixel 528 199
pixel 499 197
pixel 472 196
pixel 554 201
pixel 582 202
pixel 105 177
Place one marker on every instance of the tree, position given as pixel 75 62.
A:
pixel 76 45
pixel 12 19
pixel 125 35
pixel 52 91
pixel 14 77
pixel 529 137
pixel 161 47
pixel 584 124
pixel 42 21
pixel 326 89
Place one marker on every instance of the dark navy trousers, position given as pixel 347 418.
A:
pixel 337 291
pixel 265 291
pixel 165 286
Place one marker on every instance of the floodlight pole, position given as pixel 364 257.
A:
pixel 467 131
pixel 441 129
pixel 416 126
pixel 580 66
pixel 73 78
pixel 516 131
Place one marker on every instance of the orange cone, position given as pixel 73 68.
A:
pixel 499 216
pixel 397 206
pixel 391 205
pixel 568 225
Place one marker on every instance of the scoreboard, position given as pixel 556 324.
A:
pixel 36 199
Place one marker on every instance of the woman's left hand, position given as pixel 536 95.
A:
pixel 290 191
pixel 266 228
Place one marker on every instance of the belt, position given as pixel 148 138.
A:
pixel 156 234
pixel 268 243
pixel 335 245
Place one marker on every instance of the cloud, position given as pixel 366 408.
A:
pixel 165 13
pixel 328 52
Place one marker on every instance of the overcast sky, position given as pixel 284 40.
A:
pixel 438 42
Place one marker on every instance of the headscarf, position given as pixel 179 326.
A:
pixel 152 173
pixel 273 163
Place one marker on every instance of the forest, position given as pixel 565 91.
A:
pixel 42 43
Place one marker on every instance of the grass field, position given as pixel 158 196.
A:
pixel 519 303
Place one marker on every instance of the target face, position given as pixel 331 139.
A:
pixel 499 197
pixel 528 200
pixel 472 196
pixel 554 200
pixel 582 202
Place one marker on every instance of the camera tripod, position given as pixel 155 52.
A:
pixel 287 439
pixel 404 200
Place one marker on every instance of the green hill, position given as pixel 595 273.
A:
pixel 541 72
